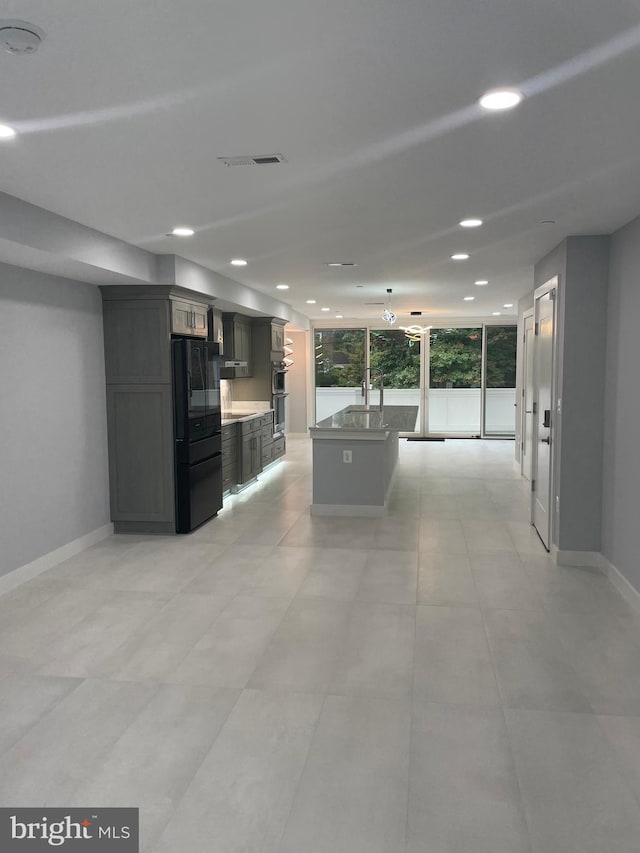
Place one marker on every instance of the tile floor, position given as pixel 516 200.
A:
pixel 425 683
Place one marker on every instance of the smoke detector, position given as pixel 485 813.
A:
pixel 20 37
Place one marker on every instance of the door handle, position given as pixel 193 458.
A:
pixel 547 418
pixel 545 440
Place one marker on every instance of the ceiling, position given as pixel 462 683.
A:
pixel 122 114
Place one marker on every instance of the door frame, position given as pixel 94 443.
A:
pixel 526 315
pixel 539 293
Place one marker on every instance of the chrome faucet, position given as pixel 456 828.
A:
pixel 366 381
pixel 364 385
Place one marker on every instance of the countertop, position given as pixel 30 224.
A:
pixel 370 420
pixel 239 417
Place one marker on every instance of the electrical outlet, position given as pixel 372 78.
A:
pixel 346 455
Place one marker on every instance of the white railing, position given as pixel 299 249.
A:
pixel 451 410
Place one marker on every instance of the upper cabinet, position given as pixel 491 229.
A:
pixel 189 318
pixel 277 337
pixel 237 346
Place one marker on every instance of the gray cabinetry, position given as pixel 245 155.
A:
pixel 277 337
pixel 249 450
pixel 229 457
pixel 189 318
pixel 237 345
pixel 140 428
pixel 138 324
pixel 136 336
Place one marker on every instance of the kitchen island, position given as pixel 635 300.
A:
pixel 355 453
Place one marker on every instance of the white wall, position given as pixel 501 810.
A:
pixel 621 466
pixel 53 435
pixel 297 416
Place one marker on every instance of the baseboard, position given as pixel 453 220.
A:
pixel 624 586
pixel 588 559
pixel 31 570
pixel 349 510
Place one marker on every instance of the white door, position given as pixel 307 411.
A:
pixel 542 413
pixel 527 397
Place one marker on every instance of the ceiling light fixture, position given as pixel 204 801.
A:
pixel 504 98
pixel 341 264
pixel 460 256
pixel 325 309
pixel 282 287
pixel 414 333
pixel 481 282
pixel 182 231
pixel 339 316
pixel 469 298
pixel 495 313
pixel 471 223
pixel 508 305
pixel 6 132
pixel 238 262
pixel 388 315
pixel 311 301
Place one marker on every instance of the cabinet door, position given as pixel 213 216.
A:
pixel 136 341
pixel 188 318
pixel 243 348
pixel 180 317
pixel 140 434
pixel 245 462
pixel 200 325
pixel 277 338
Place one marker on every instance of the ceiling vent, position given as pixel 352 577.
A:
pixel 416 313
pixel 253 160
pixel 19 37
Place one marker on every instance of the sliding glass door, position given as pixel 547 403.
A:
pixel 461 379
pixel 395 361
pixel 500 343
pixel 339 359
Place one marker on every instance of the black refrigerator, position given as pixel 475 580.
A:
pixel 197 426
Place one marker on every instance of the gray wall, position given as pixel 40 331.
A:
pixel 582 266
pixel 53 453
pixel 622 406
pixel 582 393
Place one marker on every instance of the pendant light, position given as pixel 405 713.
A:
pixel 387 315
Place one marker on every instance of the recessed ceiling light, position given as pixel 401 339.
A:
pixel 469 298
pixel 481 281
pixel 311 301
pixel 183 231
pixel 501 99
pixel 460 256
pixel 508 305
pixel 6 132
pixel 282 287
pixel 496 313
pixel 341 264
pixel 471 223
pixel 325 309
pixel 339 316
pixel 238 262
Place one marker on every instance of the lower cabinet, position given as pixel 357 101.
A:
pixel 229 457
pixel 247 447
pixel 250 453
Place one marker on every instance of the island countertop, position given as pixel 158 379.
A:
pixel 371 421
